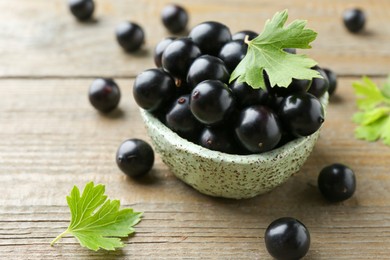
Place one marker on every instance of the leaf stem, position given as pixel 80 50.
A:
pixel 59 237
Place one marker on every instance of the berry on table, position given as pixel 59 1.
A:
pixel 354 20
pixel 337 182
pixel 104 94
pixel 135 157
pixel 174 18
pixel 82 9
pixel 287 239
pixel 130 36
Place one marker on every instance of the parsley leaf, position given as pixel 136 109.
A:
pixel 374 118
pixel 97 221
pixel 266 52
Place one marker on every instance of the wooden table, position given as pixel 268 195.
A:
pixel 51 138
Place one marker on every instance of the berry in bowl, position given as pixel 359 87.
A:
pixel 225 132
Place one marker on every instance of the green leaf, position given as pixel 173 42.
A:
pixel 96 221
pixel 380 129
pixel 266 53
pixel 368 94
pixel 374 118
pixel 386 88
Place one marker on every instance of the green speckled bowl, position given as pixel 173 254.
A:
pixel 225 175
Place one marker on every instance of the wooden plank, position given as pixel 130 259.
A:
pixel 41 39
pixel 51 139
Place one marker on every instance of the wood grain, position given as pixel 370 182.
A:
pixel 41 39
pixel 51 139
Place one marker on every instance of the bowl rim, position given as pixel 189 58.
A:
pixel 183 144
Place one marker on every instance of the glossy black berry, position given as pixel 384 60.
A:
pixel 82 9
pixel 178 57
pixel 180 119
pixel 302 114
pixel 174 18
pixel 218 139
pixel 354 20
pixel 153 89
pixel 211 102
pixel 241 35
pixel 258 129
pixel 232 53
pixel 160 48
pixel 207 67
pixel 130 36
pixel 337 182
pixel 104 94
pixel 332 79
pixel 246 96
pixel 210 37
pixel 135 157
pixel 287 239
pixel 319 86
pixel 296 86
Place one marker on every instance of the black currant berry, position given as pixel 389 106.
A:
pixel 104 94
pixel 210 37
pixel 207 67
pixel 174 18
pixel 258 129
pixel 354 20
pixel 319 86
pixel 232 53
pixel 302 114
pixel 153 89
pixel 217 139
pixel 246 96
pixel 82 9
pixel 211 102
pixel 160 48
pixel 130 36
pixel 337 182
pixel 287 239
pixel 297 86
pixel 332 79
pixel 241 35
pixel 178 57
pixel 180 119
pixel 135 157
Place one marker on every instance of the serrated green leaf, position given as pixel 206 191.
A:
pixel 374 117
pixel 370 116
pixel 266 53
pixel 96 221
pixel 379 129
pixel 368 94
pixel 386 89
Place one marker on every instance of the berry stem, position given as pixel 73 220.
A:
pixel 246 39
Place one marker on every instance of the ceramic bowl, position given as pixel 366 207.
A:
pixel 225 175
